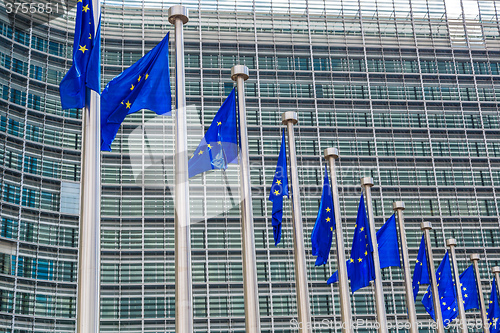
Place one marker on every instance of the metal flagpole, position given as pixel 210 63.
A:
pixel 178 16
pixel 89 254
pixel 474 257
pixel 496 270
pixel 452 242
pixel 239 73
pixel 426 227
pixel 331 154
pixel 367 183
pixel 399 206
pixel 289 119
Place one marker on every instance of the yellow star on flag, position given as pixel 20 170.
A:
pixel 209 146
pixel 132 87
pixel 200 152
pixel 278 182
pixel 219 123
pixel 276 192
pixel 83 48
pixel 362 228
pixel 90 35
pixel 328 219
pixel 147 75
pixel 128 104
pixel 328 209
pixel 139 78
pixel 366 253
pixel 331 228
pixel 219 143
pixel 85 8
pixel 352 260
pixel 360 259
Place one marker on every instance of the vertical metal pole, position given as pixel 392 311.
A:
pixel 367 183
pixel 239 73
pixel 89 254
pixel 496 270
pixel 399 206
pixel 451 243
pixel 426 227
pixel 289 119
pixel 331 154
pixel 474 257
pixel 178 16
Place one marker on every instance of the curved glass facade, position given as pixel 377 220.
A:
pixel 407 91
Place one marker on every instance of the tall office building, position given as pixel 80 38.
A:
pixel 408 91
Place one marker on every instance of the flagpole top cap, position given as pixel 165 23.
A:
pixel 451 242
pixel 425 226
pixel 331 152
pixel 496 269
pixel 178 11
pixel 289 116
pixel 474 256
pixel 367 181
pixel 239 70
pixel 396 205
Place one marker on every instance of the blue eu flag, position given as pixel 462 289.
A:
pixel 469 289
pixel 446 290
pixel 321 237
pixel 421 271
pixel 85 71
pixel 219 146
pixel 278 190
pixel 494 310
pixel 360 266
pixel 388 246
pixel 144 85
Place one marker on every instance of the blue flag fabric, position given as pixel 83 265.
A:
pixel 469 289
pixel 144 85
pixel 278 190
pixel 218 147
pixel 93 78
pixel 86 46
pixel 321 237
pixel 360 267
pixel 446 290
pixel 421 271
pixel 388 246
pixel 494 310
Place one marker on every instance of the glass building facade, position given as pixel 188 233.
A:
pixel 408 91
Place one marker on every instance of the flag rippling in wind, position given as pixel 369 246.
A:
pixel 388 248
pixel 144 85
pixel 494 310
pixel 421 271
pixel 360 267
pixel 219 146
pixel 321 237
pixel 468 285
pixel 278 190
pixel 446 290
pixel 85 70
